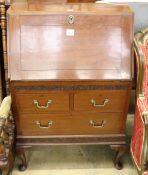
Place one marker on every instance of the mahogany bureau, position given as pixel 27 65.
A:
pixel 70 71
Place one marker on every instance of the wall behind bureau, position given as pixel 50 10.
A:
pixel 141 14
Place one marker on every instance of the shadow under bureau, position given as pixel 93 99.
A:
pixel 70 71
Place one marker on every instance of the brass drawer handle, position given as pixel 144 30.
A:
pixel 41 106
pixel 94 103
pixel 43 126
pixel 96 125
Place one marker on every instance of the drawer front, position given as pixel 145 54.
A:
pixel 42 103
pixel 103 101
pixel 103 123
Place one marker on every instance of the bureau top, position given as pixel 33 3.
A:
pixel 84 8
pixel 70 42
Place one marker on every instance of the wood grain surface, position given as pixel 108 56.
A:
pixel 95 46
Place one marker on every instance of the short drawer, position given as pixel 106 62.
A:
pixel 103 123
pixel 42 103
pixel 104 101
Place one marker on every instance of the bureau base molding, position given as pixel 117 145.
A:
pixel 71 140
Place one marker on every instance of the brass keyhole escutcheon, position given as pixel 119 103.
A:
pixel 70 19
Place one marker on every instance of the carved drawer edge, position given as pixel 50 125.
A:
pixel 73 88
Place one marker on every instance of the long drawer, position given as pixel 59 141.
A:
pixel 93 123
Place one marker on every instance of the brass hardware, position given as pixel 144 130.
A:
pixel 70 19
pixel 43 126
pixel 41 106
pixel 96 125
pixel 99 105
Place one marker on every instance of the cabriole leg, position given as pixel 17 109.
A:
pixel 120 151
pixel 21 155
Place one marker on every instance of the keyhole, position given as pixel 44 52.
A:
pixel 71 19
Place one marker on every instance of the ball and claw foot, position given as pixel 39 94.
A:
pixel 118 165
pixel 22 167
pixel 120 151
